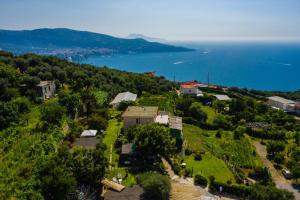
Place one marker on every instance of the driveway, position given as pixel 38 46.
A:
pixel 277 177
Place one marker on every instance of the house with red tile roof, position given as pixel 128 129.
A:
pixel 190 87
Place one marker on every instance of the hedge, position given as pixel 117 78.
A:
pixel 238 190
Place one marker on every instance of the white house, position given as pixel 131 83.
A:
pixel 281 103
pixel 125 96
pixel 191 87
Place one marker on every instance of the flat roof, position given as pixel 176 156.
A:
pixel 162 119
pixel 44 83
pixel 175 122
pixel 281 100
pixel 141 111
pixel 125 96
pixel 222 97
pixel 89 133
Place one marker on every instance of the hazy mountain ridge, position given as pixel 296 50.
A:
pixel 68 42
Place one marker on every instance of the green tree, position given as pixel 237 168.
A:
pixel 296 172
pixel 239 132
pixel 52 113
pixel 223 122
pixel 97 122
pixel 153 140
pixel 156 186
pixel 56 180
pixel 71 102
pixel 88 165
pixel 275 147
pixel 197 113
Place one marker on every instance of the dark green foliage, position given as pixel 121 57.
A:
pixel 57 180
pixel 52 113
pixel 296 154
pixel 239 132
pixel 153 140
pixel 8 114
pixel 238 190
pixel 223 122
pixel 88 165
pixel 261 174
pixel 156 186
pixel 296 171
pixel 219 133
pixel 97 123
pixel 124 105
pixel 200 180
pixel 198 156
pixel 269 193
pixel 197 113
pixel 71 102
pixel 275 147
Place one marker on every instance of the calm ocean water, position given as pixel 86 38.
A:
pixel 254 66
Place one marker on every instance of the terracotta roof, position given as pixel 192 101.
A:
pixel 188 86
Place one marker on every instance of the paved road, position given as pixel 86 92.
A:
pixel 277 177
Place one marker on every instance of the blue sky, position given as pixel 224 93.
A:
pixel 180 20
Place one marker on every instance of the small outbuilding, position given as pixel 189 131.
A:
pixel 222 97
pixel 89 133
pixel 46 89
pixel 125 96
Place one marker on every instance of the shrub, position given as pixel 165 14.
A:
pixel 238 190
pixel 124 104
pixel 200 180
pixel 219 134
pixel 188 172
pixel 156 186
pixel 188 152
pixel 198 156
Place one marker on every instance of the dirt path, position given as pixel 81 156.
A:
pixel 184 188
pixel 277 177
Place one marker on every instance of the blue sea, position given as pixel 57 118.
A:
pixel 262 66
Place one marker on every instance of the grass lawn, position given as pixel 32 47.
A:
pixel 211 114
pixel 110 136
pixel 210 166
pixel 239 152
pixel 128 181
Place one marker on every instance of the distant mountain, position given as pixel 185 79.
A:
pixel 150 39
pixel 70 43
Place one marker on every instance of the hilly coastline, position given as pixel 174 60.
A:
pixel 70 43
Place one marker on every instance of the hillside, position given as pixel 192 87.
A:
pixel 67 42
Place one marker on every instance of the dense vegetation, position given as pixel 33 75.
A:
pixel 39 158
pixel 36 136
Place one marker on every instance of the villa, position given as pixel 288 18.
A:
pixel 281 103
pixel 139 115
pixel 191 87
